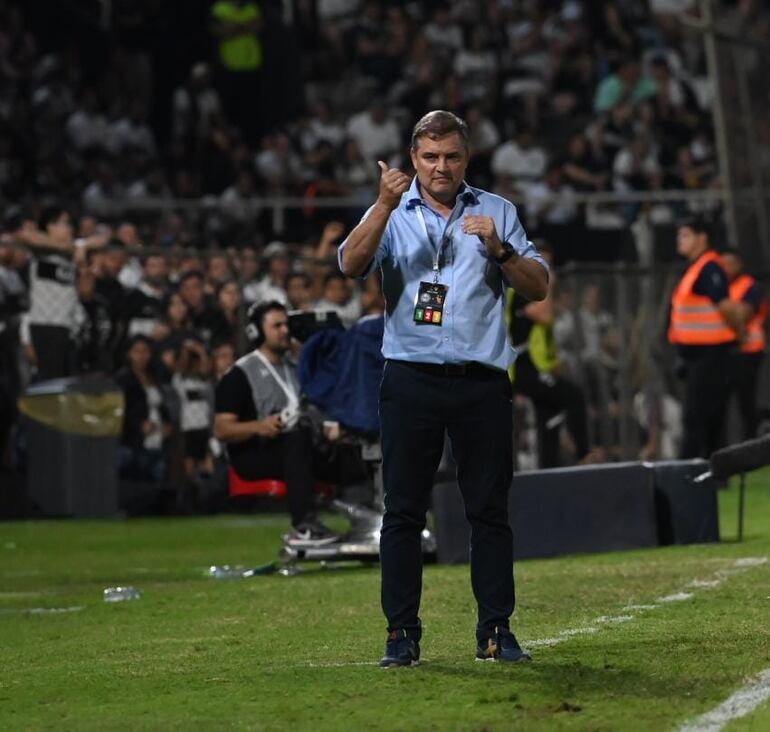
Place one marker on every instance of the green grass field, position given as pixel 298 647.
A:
pixel 298 653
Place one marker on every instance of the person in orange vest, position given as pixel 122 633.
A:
pixel 745 291
pixel 706 327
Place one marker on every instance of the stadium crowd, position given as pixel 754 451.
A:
pixel 302 98
pixel 134 150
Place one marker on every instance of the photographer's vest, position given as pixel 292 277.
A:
pixel 695 319
pixel 270 394
pixel 756 339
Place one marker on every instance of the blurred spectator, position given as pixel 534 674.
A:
pixel 270 287
pixel 445 36
pixel 237 25
pixel 173 329
pixel 223 358
pixel 551 202
pixel 95 332
pixel 192 383
pixel 228 325
pixel 53 293
pixel 201 311
pixel 196 105
pixel 218 271
pixel 237 200
pixel 147 416
pixel 583 169
pixel 537 375
pixel 87 127
pixel 627 84
pixel 375 133
pixel 299 296
pixel 278 165
pixel 144 304
pixel 13 302
pixel 131 132
pixel 339 297
pixel 520 160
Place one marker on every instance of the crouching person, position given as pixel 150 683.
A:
pixel 258 419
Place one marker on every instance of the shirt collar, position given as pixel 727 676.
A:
pixel 465 193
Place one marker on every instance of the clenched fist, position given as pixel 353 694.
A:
pixel 484 228
pixel 393 184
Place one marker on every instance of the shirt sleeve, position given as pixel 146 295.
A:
pixel 233 395
pixel 753 297
pixel 382 250
pixel 712 283
pixel 514 234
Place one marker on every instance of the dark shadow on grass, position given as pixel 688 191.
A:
pixel 573 678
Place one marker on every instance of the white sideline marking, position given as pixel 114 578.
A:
pixel 563 635
pixel 676 597
pixel 750 561
pixel 737 567
pixel 614 618
pixel 739 704
pixel 41 610
pixel 321 664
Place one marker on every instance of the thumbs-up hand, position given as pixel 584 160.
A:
pixel 393 184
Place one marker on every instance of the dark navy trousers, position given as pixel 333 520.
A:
pixel 417 409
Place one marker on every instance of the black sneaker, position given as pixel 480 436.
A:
pixel 502 646
pixel 400 650
pixel 311 533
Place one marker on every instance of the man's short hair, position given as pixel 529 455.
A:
pixel 437 124
pixel 297 276
pixel 192 274
pixel 697 223
pixel 332 276
pixel 51 214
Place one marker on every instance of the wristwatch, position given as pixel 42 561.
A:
pixel 508 252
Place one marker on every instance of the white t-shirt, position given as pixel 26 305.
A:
pixel 374 141
pixel 519 163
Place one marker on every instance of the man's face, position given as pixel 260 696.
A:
pixel 128 234
pixel 191 291
pixel 336 291
pixel 219 269
pixel 279 267
pixel 731 265
pixel 275 327
pixel 155 270
pixel 689 242
pixel 298 293
pixel 60 230
pixel 440 165
pixel 112 262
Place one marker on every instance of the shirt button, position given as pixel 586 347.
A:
pixel 445 338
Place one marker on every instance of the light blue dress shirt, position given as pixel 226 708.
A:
pixel 473 327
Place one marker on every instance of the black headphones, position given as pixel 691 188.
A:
pixel 255 315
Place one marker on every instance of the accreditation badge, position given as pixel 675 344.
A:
pixel 429 305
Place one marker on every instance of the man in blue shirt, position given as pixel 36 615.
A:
pixel 447 251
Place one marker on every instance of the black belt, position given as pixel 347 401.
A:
pixel 472 368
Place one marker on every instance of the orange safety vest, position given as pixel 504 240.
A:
pixel 695 320
pixel 756 340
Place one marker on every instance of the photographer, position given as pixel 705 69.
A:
pixel 258 418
